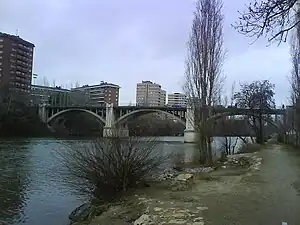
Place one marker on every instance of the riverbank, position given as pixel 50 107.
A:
pixel 170 201
pixel 240 191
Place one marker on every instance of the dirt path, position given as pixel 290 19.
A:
pixel 269 196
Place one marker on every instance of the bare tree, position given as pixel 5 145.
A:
pixel 256 95
pixel 107 168
pixel 53 83
pixel 45 81
pixel 203 68
pixel 71 85
pixel 295 80
pixel 228 144
pixel 271 18
pixel 77 84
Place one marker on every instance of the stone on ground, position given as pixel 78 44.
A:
pixel 144 220
pixel 182 182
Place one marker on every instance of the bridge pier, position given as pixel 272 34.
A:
pixel 110 129
pixel 43 113
pixel 115 132
pixel 190 135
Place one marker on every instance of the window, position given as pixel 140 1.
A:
pixel 1 52
pixel 1 46
pixel 1 40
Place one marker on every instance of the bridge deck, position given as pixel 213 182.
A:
pixel 236 111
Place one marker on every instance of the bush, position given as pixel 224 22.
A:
pixel 106 168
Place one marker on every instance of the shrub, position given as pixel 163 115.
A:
pixel 106 168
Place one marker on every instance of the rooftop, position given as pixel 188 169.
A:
pixel 16 38
pixel 102 84
pixel 57 88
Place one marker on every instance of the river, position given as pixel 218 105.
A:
pixel 30 191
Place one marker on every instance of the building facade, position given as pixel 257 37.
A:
pixel 177 100
pixel 150 94
pixel 49 95
pixel 16 62
pixel 100 94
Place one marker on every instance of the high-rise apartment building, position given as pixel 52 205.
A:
pixel 100 94
pixel 16 61
pixel 177 100
pixel 150 94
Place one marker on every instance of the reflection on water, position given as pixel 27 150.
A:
pixel 14 180
pixel 30 188
pixel 29 194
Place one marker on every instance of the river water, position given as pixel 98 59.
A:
pixel 30 191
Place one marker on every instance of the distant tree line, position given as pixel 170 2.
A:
pixel 19 120
pixel 82 124
pixel 155 125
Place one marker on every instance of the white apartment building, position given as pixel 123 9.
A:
pixel 150 94
pixel 177 99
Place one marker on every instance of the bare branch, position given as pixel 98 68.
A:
pixel 270 18
pixel 107 168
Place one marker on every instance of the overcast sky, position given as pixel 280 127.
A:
pixel 126 41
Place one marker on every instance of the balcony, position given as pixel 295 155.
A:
pixel 24 59
pixel 24 48
pixel 23 53
pixel 24 69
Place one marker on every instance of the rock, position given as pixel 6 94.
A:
pixel 199 170
pixel 182 182
pixel 177 221
pixel 198 223
pixel 201 208
pixel 157 209
pixel 81 213
pixel 144 220
pixel 86 211
pixel 167 174
pixel 184 177
pixel 198 219
pixel 179 215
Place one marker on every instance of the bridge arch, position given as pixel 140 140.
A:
pixel 125 117
pixel 75 110
pixel 219 116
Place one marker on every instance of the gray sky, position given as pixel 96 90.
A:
pixel 125 42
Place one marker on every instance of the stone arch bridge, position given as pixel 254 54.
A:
pixel 114 118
